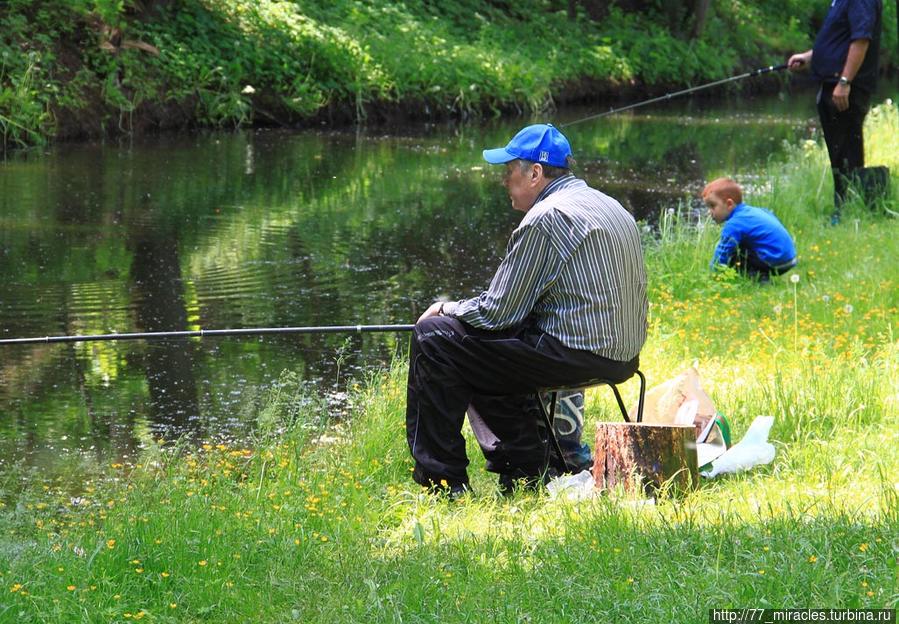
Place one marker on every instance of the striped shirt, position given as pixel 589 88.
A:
pixel 575 264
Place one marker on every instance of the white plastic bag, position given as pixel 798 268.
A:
pixel 753 450
pixel 573 487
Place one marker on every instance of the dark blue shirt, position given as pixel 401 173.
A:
pixel 846 21
pixel 754 229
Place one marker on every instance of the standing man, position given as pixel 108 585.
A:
pixel 844 59
pixel 566 305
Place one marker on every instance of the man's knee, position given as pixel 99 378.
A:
pixel 435 331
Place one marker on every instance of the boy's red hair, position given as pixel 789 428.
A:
pixel 725 188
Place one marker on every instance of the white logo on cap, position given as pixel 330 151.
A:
pixel 544 155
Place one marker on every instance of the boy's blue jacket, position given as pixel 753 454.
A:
pixel 755 229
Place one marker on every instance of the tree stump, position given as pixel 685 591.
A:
pixel 645 457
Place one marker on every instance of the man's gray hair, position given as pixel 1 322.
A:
pixel 549 171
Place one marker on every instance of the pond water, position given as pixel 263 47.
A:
pixel 283 228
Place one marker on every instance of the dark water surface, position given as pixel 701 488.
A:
pixel 279 228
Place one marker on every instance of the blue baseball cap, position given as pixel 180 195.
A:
pixel 540 143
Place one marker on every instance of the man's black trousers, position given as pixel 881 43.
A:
pixel 843 136
pixel 454 368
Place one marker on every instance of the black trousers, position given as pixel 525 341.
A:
pixel 747 261
pixel 494 375
pixel 843 136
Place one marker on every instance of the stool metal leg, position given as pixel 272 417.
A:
pixel 620 402
pixel 548 420
pixel 621 405
pixel 642 396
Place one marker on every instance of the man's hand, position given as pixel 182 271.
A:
pixel 433 310
pixel 841 96
pixel 799 62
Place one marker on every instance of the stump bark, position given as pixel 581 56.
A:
pixel 644 457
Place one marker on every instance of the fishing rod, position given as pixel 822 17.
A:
pixel 203 333
pixel 668 96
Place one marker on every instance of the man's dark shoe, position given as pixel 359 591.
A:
pixel 509 483
pixel 456 492
pixel 451 492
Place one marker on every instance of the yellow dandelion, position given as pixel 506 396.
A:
pixel 202 563
pixel 630 581
pixel 110 543
pixel 297 541
pixel 173 605
pixel 139 570
pixel 138 615
pixel 812 559
pixel 443 482
pixel 135 561
pixel 761 571
pixel 869 594
pixel 765 548
pixel 324 538
pixel 864 583
pixel 164 574
pixel 71 588
pixel 16 587
pixel 863 546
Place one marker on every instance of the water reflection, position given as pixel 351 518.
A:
pixel 274 228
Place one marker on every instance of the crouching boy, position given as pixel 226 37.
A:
pixel 752 239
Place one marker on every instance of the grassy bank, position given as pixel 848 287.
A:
pixel 320 522
pixel 102 67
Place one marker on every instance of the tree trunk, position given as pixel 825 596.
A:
pixel 596 9
pixel 645 457
pixel 700 12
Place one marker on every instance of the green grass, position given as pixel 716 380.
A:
pixel 323 523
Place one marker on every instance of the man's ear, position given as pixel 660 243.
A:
pixel 536 173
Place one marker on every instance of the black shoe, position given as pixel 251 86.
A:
pixel 440 486
pixel 450 492
pixel 456 492
pixel 509 483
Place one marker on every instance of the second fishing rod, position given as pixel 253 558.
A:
pixel 668 96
